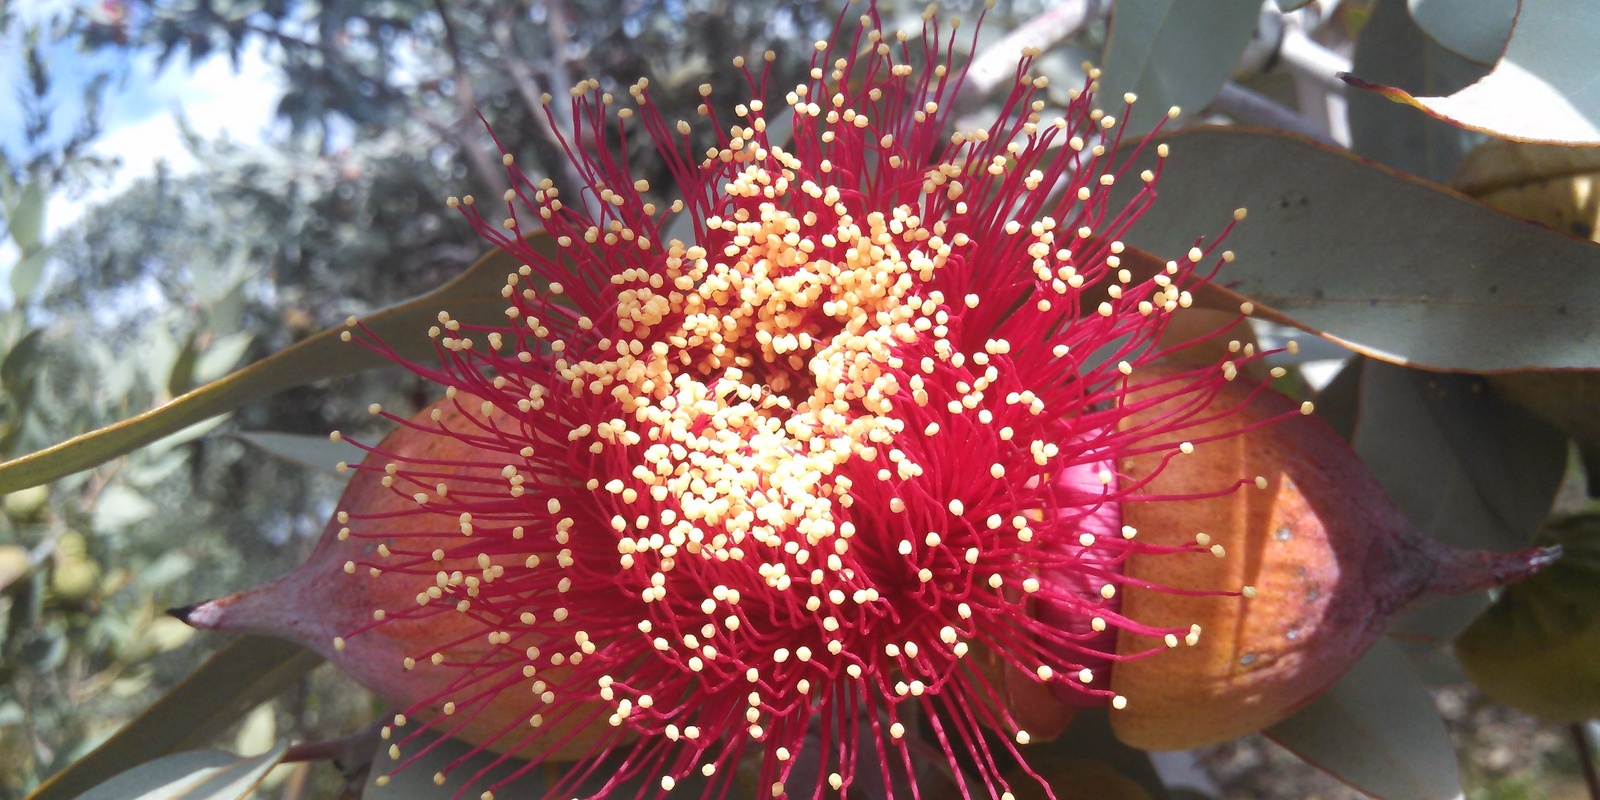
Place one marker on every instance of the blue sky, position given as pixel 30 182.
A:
pixel 140 113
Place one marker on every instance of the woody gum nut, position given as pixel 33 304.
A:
pixel 318 604
pixel 1326 557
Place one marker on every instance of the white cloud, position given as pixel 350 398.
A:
pixel 216 100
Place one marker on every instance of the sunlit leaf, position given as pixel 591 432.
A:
pixel 240 676
pixel 1172 53
pixel 315 452
pixel 1475 29
pixel 1377 730
pixel 192 775
pixel 1393 267
pixel 1542 90
pixel 473 297
pixel 1557 188
pixel 1548 184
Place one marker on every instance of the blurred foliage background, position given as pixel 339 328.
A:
pixel 179 277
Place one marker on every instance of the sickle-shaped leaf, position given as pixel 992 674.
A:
pixel 1544 88
pixel 1392 50
pixel 1377 730
pixel 1474 29
pixel 315 452
pixel 1396 268
pixel 1465 466
pixel 240 676
pixel 192 775
pixel 472 297
pixel 1172 53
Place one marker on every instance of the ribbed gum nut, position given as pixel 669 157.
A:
pixel 319 602
pixel 1328 559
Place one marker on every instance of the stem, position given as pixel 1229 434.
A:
pixel 1254 108
pixel 1585 748
pixel 997 63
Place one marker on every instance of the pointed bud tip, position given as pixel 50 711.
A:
pixel 204 616
pixel 1478 571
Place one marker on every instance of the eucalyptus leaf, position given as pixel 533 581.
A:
pixel 473 297
pixel 1542 90
pixel 237 678
pixel 25 217
pixel 17 367
pixel 1466 467
pixel 220 357
pixel 1393 50
pixel 120 507
pixel 1474 29
pixel 1393 267
pixel 27 273
pixel 1172 53
pixel 193 775
pixel 182 436
pixel 1538 648
pixel 1377 730
pixel 315 452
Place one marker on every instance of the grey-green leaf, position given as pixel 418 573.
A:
pixel 473 297
pixel 240 676
pixel 1377 730
pixel 1172 53
pixel 1475 29
pixel 1394 267
pixel 27 274
pixel 316 452
pixel 25 218
pixel 1392 50
pixel 192 775
pixel 221 356
pixel 1466 467
pixel 1543 89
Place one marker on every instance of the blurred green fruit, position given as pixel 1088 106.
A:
pixel 76 575
pixel 26 505
pixel 14 564
pixel 1537 648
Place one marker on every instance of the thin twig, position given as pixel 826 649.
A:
pixel 1253 108
pixel 465 98
pixel 1585 748
pixel 1305 56
pixel 566 177
pixel 998 62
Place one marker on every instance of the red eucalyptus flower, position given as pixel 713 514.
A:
pixel 847 459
